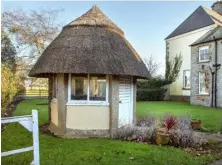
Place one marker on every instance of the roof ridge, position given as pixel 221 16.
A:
pixel 216 17
pixel 95 17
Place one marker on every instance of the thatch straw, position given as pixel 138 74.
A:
pixel 94 47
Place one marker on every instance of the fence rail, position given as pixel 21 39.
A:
pixel 35 93
pixel 30 122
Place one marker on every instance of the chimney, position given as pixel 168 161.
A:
pixel 217 6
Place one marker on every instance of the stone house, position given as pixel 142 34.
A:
pixel 206 75
pixel 201 21
pixel 92 71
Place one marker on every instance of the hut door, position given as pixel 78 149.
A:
pixel 125 103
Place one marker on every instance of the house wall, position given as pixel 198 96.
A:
pixel 180 45
pixel 197 67
pixel 88 117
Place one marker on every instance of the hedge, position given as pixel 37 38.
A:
pixel 156 94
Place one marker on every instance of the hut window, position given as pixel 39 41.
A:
pixel 79 85
pixel 97 88
pixel 88 89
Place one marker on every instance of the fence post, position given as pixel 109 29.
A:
pixel 35 133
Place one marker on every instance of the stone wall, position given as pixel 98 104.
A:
pixel 203 67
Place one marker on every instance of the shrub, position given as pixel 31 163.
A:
pixel 9 87
pixel 146 121
pixel 154 82
pixel 150 94
pixel 135 133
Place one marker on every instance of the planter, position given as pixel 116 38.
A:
pixel 196 124
pixel 162 137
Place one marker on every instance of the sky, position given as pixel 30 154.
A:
pixel 146 23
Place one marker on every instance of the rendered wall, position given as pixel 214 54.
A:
pixel 54 112
pixel 87 117
pixel 181 45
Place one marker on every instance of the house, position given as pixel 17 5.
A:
pixel 92 71
pixel 201 21
pixel 206 75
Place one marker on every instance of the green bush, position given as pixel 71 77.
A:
pixel 9 87
pixel 150 94
pixel 154 82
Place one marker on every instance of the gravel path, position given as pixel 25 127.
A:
pixel 219 162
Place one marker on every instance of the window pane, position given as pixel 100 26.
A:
pixel 97 88
pixel 186 79
pixel 204 53
pixel 79 87
pixel 204 83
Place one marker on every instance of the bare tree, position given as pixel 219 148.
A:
pixel 32 30
pixel 151 65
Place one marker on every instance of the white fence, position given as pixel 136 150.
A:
pixel 30 122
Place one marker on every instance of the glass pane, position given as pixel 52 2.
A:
pixel 79 87
pixel 204 83
pixel 97 88
pixel 204 54
pixel 187 79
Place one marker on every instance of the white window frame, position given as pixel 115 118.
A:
pixel 88 102
pixel 184 79
pixel 203 48
pixel 199 86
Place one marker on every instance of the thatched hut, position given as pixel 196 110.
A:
pixel 92 71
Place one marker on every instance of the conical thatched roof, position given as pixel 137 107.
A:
pixel 90 44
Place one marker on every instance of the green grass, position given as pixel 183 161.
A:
pixel 211 118
pixel 58 151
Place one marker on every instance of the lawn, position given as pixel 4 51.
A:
pixel 211 118
pixel 58 151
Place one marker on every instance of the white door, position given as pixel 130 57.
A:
pixel 125 101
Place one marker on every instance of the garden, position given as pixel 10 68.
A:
pixel 126 148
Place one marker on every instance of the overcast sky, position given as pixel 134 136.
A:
pixel 145 24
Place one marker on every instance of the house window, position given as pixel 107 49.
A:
pixel 204 83
pixel 186 79
pixel 204 54
pixel 88 89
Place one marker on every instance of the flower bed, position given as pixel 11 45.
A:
pixel 174 131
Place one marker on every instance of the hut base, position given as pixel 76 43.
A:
pixel 76 133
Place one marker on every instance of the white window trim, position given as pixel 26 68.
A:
pixel 88 102
pixel 199 87
pixel 184 79
pixel 203 48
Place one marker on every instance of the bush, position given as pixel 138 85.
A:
pixel 135 133
pixel 154 82
pixel 146 121
pixel 150 94
pixel 145 131
pixel 9 87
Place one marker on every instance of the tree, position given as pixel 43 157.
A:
pixel 151 65
pixel 9 87
pixel 173 66
pixel 32 30
pixel 8 52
